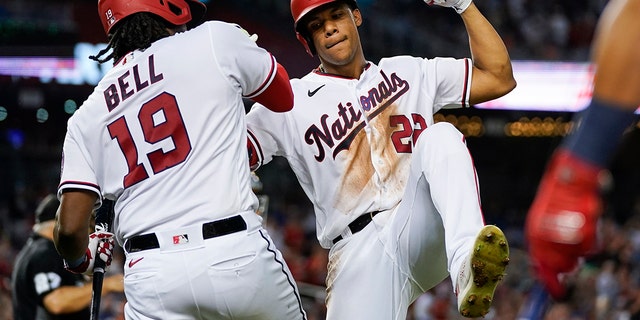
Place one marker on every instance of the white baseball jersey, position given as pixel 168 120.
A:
pixel 164 134
pixel 349 141
pixel 164 131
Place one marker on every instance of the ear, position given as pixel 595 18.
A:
pixel 357 17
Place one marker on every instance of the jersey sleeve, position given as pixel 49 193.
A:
pixel 76 168
pixel 251 67
pixel 264 128
pixel 453 82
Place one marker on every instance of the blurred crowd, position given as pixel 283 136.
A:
pixel 532 30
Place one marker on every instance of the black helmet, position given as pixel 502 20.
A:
pixel 47 208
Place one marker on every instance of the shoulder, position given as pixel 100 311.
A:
pixel 45 249
pixel 82 116
pixel 38 253
pixel 222 26
pixel 297 83
pixel 402 59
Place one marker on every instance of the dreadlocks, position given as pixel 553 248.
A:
pixel 137 31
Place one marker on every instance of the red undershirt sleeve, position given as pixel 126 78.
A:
pixel 278 96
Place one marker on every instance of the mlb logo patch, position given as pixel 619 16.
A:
pixel 181 239
pixel 110 18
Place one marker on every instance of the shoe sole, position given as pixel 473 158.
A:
pixel 489 261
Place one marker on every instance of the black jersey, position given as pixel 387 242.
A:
pixel 38 271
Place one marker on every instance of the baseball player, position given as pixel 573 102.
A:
pixel 41 287
pixel 395 195
pixel 561 223
pixel 164 135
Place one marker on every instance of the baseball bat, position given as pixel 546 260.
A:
pixel 104 219
pixel 536 303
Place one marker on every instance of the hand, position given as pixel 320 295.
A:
pixel 459 5
pixel 561 223
pixel 101 244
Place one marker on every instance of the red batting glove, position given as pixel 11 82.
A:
pixel 101 245
pixel 561 223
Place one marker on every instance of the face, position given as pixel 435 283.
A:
pixel 334 32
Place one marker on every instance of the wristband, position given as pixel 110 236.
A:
pixel 598 132
pixel 77 266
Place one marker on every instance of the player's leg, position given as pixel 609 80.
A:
pixel 278 297
pixel 417 235
pixel 443 175
pixel 249 278
pixel 363 279
pixel 236 276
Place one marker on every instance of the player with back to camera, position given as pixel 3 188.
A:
pixel 164 135
pixel 398 213
pixel 41 287
pixel 561 223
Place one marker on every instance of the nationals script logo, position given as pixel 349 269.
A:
pixel 378 98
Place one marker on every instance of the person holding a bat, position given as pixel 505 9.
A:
pixel 163 135
pixel 41 287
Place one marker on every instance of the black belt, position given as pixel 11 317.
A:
pixel 209 230
pixel 358 224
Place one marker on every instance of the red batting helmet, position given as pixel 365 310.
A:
pixel 300 8
pixel 177 12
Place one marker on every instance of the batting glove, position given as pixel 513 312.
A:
pixel 561 223
pixel 101 244
pixel 459 5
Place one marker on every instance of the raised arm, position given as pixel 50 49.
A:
pixel 492 72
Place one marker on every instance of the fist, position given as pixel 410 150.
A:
pixel 100 246
pixel 459 5
pixel 104 243
pixel 561 223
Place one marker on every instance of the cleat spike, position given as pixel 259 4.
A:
pixel 481 272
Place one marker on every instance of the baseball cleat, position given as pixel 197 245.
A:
pixel 482 272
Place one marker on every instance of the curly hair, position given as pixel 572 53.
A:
pixel 137 31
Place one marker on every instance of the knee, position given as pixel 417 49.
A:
pixel 442 133
pixel 438 144
pixel 441 140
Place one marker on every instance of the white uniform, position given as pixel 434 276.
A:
pixel 350 143
pixel 164 135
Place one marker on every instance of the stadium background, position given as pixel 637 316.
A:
pixel 510 147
